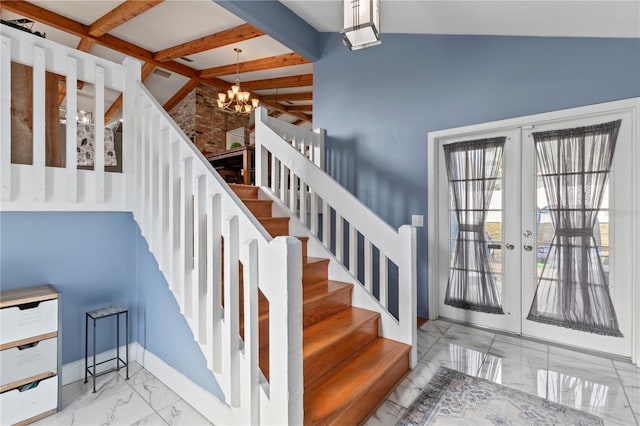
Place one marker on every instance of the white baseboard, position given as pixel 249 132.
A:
pixel 203 401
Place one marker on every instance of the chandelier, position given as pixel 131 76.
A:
pixel 234 100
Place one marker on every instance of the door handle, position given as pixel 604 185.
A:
pixel 527 247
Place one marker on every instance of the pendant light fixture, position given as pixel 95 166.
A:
pixel 361 20
pixel 235 100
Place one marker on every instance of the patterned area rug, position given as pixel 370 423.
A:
pixel 454 398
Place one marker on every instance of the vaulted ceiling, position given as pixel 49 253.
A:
pixel 181 44
pixel 188 42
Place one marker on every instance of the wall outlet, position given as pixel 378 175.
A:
pixel 417 220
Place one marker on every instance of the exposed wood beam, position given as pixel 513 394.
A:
pixel 284 97
pixel 278 83
pixel 125 11
pixel 212 41
pixel 286 60
pixel 298 122
pixel 147 69
pixel 281 108
pixel 299 107
pixel 85 44
pixel 180 94
pixel 80 30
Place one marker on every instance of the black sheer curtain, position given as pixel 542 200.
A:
pixel 472 171
pixel 573 290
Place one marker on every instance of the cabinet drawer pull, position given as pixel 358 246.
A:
pixel 28 345
pixel 29 305
pixel 29 386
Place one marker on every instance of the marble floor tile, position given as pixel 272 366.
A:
pixel 456 357
pixel 182 414
pixel 78 394
pixel 468 337
pixel 388 414
pixel 517 367
pixel 152 420
pixel 630 378
pixel 123 408
pixel 426 338
pixel 525 343
pixel 412 385
pixel 437 326
pixel 154 392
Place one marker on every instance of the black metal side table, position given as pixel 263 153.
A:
pixel 95 315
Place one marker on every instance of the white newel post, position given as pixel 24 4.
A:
pixel 261 155
pixel 407 283
pixel 284 272
pixel 132 77
pixel 318 148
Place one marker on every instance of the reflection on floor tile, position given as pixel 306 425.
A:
pixel 586 382
pixel 597 385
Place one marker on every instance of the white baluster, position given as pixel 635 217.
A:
pixel 384 281
pixel 303 203
pixel 339 238
pixel 231 330
pixel 314 213
pixel 39 150
pixel 274 174
pixel 98 129
pixel 326 224
pixel 250 383
pixel 283 183
pixel 199 259
pixel 5 118
pixel 186 235
pixel 353 250
pixel 368 265
pixel 293 190
pixel 173 183
pixel 214 281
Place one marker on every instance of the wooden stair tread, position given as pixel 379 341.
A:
pixel 350 392
pixel 310 260
pixel 325 333
pixel 317 291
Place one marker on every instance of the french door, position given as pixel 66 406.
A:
pixel 534 230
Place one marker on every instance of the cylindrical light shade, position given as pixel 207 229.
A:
pixel 361 20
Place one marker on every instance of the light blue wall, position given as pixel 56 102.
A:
pixel 378 104
pixel 94 260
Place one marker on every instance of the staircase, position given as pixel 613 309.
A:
pixel 348 367
pixel 294 329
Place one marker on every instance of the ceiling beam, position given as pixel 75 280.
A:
pixel 299 107
pixel 213 41
pixel 125 11
pixel 180 94
pixel 289 97
pixel 274 106
pixel 62 23
pixel 298 122
pixel 147 69
pixel 286 60
pixel 279 83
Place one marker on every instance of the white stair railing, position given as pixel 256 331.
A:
pixel 329 211
pixel 185 212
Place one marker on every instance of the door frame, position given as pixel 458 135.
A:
pixel 631 105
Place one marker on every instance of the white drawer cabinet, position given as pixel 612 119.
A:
pixel 19 405
pixel 23 321
pixel 29 354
